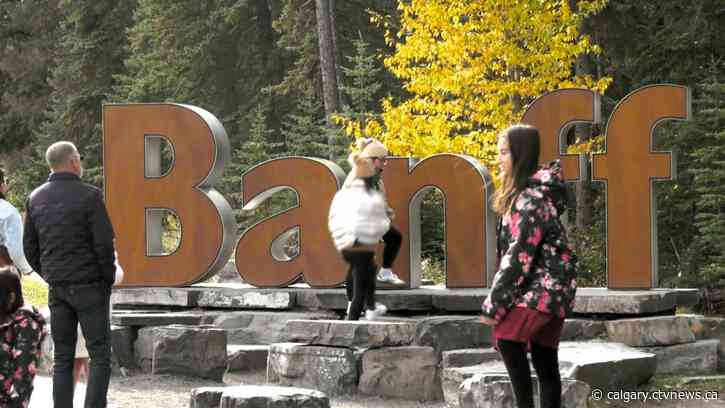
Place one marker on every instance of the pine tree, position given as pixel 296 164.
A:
pixel 92 54
pixel 709 180
pixel 304 130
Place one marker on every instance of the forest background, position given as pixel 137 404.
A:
pixel 305 77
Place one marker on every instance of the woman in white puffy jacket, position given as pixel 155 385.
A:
pixel 358 220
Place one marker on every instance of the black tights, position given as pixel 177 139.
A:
pixel 393 239
pixel 360 281
pixel 546 364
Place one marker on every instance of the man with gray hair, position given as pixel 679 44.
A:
pixel 69 242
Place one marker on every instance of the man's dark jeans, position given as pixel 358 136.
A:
pixel 87 304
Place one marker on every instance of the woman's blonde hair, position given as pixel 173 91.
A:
pixel 523 143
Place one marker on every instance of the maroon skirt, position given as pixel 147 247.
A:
pixel 525 325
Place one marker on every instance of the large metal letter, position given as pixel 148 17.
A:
pixel 315 181
pixel 553 113
pixel 629 168
pixel 469 223
pixel 137 194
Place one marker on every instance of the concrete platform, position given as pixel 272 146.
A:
pixel 238 296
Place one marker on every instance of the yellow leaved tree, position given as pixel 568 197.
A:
pixel 470 67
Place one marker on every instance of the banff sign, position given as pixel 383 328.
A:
pixel 138 194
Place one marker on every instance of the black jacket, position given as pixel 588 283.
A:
pixel 68 234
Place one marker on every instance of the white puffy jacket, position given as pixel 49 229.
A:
pixel 357 214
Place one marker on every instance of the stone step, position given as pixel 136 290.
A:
pixel 700 357
pixel 606 365
pixel 246 357
pixel 181 297
pixel 349 333
pixel 453 377
pixel 602 365
pixel 468 357
pixel 428 298
pixel 155 318
pixel 445 333
pixel 262 327
pixel 650 331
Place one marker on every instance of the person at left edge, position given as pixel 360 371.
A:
pixel 69 241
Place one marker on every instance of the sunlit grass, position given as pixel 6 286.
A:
pixel 34 292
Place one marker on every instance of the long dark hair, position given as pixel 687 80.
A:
pixel 2 181
pixel 10 283
pixel 524 149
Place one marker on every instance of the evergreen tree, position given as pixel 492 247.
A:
pixel 90 53
pixel 709 178
pixel 304 130
pixel 27 46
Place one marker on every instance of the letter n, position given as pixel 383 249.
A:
pixel 469 223
pixel 137 194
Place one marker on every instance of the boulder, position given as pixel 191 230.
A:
pixel 494 391
pixel 468 357
pixel 606 366
pixel 265 396
pixel 445 333
pixel 346 333
pixel 206 397
pixel 583 329
pixel 332 370
pixel 650 331
pixel 700 357
pixel 196 351
pixel 714 328
pixel 401 372
pixel 122 340
pixel 246 357
pixel 261 327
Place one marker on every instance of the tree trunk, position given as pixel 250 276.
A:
pixel 337 54
pixel 327 56
pixel 325 40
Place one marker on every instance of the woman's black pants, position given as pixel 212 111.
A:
pixel 546 364
pixel 360 281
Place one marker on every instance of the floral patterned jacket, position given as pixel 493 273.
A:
pixel 20 340
pixel 537 268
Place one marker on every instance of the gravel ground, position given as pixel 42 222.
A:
pixel 165 391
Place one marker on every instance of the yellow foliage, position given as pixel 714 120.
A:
pixel 472 66
pixel 591 146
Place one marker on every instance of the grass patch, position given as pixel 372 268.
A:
pixel 34 292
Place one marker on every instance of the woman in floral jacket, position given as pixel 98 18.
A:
pixel 533 290
pixel 21 332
